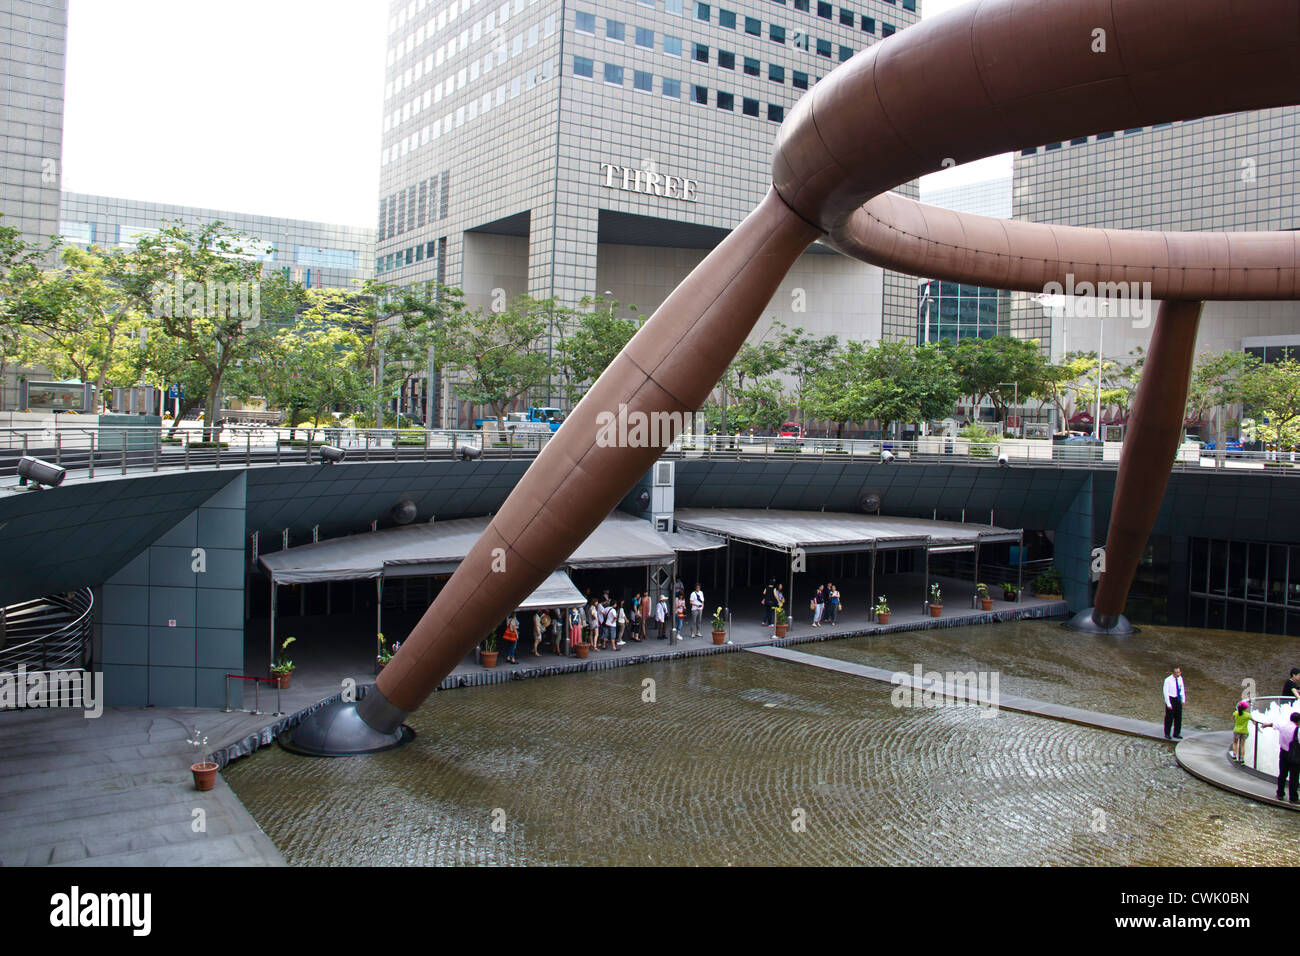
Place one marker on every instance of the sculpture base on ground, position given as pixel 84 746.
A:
pixel 1086 623
pixel 337 730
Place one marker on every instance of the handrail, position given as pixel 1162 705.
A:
pixel 119 449
pixel 69 642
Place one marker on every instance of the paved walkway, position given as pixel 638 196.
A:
pixel 117 791
pixel 962 692
pixel 1206 756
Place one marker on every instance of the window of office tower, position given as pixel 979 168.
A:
pixel 614 30
pixel 584 22
pixel 727 18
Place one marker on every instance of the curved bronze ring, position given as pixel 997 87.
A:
pixel 992 76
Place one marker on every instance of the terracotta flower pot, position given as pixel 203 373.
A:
pixel 488 658
pixel 284 680
pixel 205 775
pixel 936 610
pixel 1008 595
pixel 986 603
pixel 883 618
pixel 582 650
pixel 782 630
pixel 719 637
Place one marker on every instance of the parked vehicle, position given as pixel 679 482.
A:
pixel 535 419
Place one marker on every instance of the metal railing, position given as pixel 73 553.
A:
pixel 120 449
pixel 49 633
pixel 257 702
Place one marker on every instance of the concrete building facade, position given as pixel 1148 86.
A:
pixel 603 147
pixel 1229 173
pixel 33 46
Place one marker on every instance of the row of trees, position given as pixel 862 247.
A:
pixel 192 307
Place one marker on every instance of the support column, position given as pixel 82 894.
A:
pixel 1150 446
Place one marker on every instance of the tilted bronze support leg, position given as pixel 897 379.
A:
pixel 1155 427
pixel 670 365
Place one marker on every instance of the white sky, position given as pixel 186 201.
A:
pixel 260 106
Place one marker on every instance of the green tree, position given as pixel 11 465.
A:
pixel 204 288
pixel 888 382
pixel 1272 394
pixel 500 354
pixel 1061 380
pixel 77 323
pixel 1000 369
pixel 804 356
pixel 590 338
pixel 1218 381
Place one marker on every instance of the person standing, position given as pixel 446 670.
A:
pixel 679 611
pixel 1288 769
pixel 611 626
pixel 769 603
pixel 661 615
pixel 622 623
pixel 1291 689
pixel 511 638
pixel 635 617
pixel 575 628
pixel 1175 693
pixel 557 631
pixel 819 605
pixel 541 625
pixel 647 609
pixel 697 609
pixel 833 603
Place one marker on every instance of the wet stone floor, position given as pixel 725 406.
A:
pixel 742 760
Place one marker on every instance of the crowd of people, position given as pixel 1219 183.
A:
pixel 608 624
pixel 824 604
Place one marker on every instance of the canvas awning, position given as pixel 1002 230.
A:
pixel 555 591
pixel 837 532
pixel 426 549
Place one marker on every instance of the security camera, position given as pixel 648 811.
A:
pixel 886 456
pixel 330 454
pixel 39 472
pixel 1003 460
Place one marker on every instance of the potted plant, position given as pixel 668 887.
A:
pixel 1048 584
pixel 385 655
pixel 782 623
pixel 986 602
pixel 582 649
pixel 881 610
pixel 719 627
pixel 205 771
pixel 1008 591
pixel 283 667
pixel 936 601
pixel 488 656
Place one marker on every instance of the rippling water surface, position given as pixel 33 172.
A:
pixel 746 760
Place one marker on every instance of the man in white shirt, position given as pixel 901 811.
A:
pixel 1175 696
pixel 661 615
pixel 697 609
pixel 611 624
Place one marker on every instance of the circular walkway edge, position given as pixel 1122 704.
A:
pixel 1206 756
